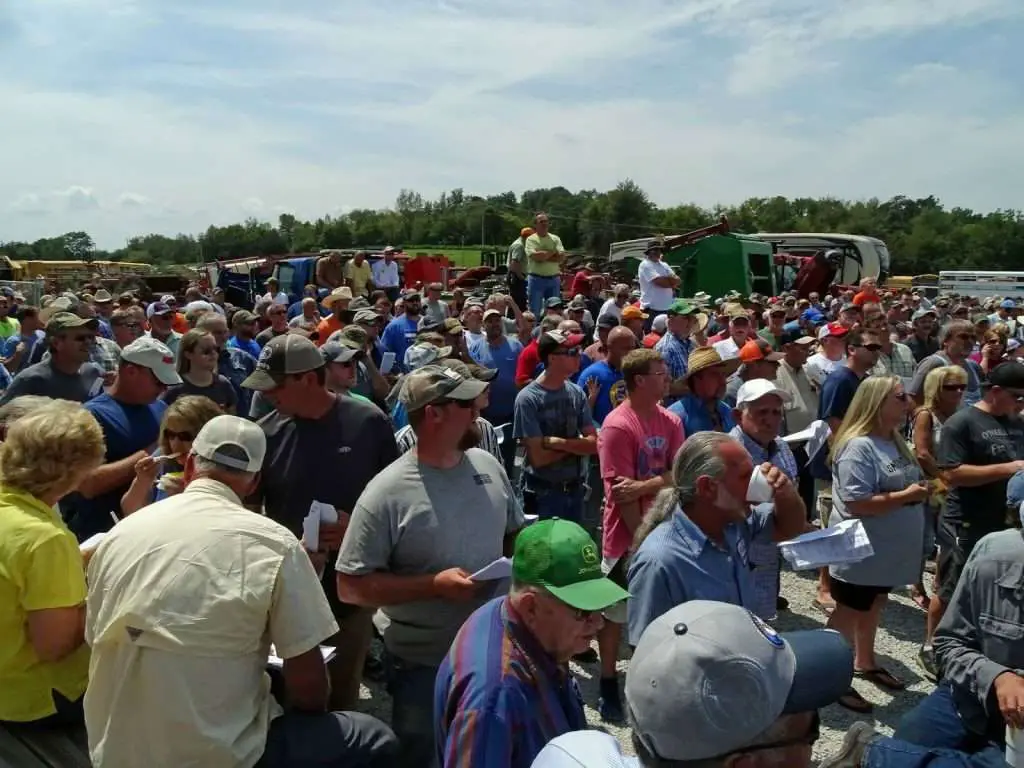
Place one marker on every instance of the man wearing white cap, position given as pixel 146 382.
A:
pixel 129 414
pixel 185 601
pixel 711 684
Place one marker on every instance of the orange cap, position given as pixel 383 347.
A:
pixel 526 231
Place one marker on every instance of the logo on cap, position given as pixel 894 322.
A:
pixel 589 553
pixel 769 634
pixel 167 359
pixel 265 354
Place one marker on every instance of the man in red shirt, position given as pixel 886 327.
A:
pixel 583 281
pixel 636 445
pixel 529 358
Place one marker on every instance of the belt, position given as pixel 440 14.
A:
pixel 566 486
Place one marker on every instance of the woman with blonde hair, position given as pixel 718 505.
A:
pixel 45 663
pixel 197 366
pixel 160 475
pixel 877 480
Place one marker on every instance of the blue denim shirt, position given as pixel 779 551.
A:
pixel 695 416
pixel 677 562
pixel 236 364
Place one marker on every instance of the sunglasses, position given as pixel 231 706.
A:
pixel 573 352
pixel 185 437
pixel 954 387
pixel 466 404
pixel 80 337
pixel 870 347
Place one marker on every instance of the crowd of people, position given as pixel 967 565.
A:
pixel 208 513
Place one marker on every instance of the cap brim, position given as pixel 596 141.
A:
pixel 824 669
pixel 774 357
pixel 803 340
pixel 167 376
pixel 469 389
pixel 485 374
pixel 573 340
pixel 260 380
pixel 590 595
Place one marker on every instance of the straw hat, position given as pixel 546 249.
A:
pixel 338 294
pixel 703 358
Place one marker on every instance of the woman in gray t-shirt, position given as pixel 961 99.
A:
pixel 876 479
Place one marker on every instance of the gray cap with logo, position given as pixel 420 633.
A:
pixel 283 355
pixel 434 382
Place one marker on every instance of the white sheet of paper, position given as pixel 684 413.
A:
pixel 92 542
pixel 387 362
pixel 326 512
pixel 273 660
pixel 499 569
pixel 846 542
pixel 816 436
pixel 758 490
pixel 311 530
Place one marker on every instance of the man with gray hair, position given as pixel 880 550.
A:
pixel 694 542
pixel 185 602
pixel 614 305
pixel 956 342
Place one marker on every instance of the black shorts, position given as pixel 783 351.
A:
pixel 856 597
pixel 954 549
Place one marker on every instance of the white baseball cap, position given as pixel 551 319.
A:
pixel 150 353
pixel 755 389
pixel 232 442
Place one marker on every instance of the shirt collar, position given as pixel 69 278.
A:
pixel 15 497
pixel 523 638
pixel 690 535
pixel 214 488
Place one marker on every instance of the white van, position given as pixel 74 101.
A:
pixel 983 283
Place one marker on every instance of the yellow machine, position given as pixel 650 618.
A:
pixel 30 270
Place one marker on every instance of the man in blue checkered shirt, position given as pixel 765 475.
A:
pixel 677 344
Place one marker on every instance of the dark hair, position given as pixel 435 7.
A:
pixel 855 338
pixel 637 363
pixel 27 310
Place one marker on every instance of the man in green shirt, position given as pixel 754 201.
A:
pixel 8 325
pixel 544 255
pixel 517 268
pixel 776 320
pixel 341 360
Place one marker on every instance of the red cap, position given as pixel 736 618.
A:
pixel 833 329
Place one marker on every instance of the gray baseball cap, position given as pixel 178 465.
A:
pixel 434 382
pixel 283 355
pixel 726 675
pixel 232 442
pixel 338 352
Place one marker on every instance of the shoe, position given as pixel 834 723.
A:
pixel 610 710
pixel 781 603
pixel 926 658
pixel 589 656
pixel 851 753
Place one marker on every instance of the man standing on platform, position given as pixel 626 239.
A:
pixel 544 254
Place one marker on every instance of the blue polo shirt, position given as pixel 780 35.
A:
pixel 611 387
pixel 251 345
pixel 677 563
pixel 503 358
pixel 695 416
pixel 499 697
pixel 837 393
pixel 398 336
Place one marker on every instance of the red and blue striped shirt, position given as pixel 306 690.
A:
pixel 500 697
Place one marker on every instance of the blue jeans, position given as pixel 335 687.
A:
pixel 539 290
pixel 553 502
pixel 411 687
pixel 932 736
pixel 328 740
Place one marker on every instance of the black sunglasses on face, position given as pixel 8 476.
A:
pixel 870 347
pixel 185 437
pixel 954 387
pixel 574 352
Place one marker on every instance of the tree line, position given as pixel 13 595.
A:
pixel 923 235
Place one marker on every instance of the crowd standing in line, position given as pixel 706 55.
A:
pixel 252 483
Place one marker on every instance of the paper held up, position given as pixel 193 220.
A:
pixel 815 435
pixel 846 542
pixel 273 660
pixel 499 569
pixel 759 490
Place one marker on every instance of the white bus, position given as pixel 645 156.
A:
pixel 863 256
pixel 983 283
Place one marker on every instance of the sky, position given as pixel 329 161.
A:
pixel 124 117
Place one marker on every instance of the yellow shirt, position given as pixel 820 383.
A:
pixel 536 243
pixel 185 598
pixel 359 275
pixel 40 568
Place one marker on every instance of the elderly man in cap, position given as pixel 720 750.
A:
pixel 500 353
pixel 738 332
pixel 337 304
pixel 712 685
pixel 456 513
pixel 694 542
pixel 103 303
pixel 504 690
pixel 757 361
pixel 274 294
pixel 185 601
pixel 776 316
pixel 129 414
pixel 323 447
pixel 400 333
pixel 161 317
pixel 635 319
pixel 677 345
pixel 65 373
pixel 308 318
pixel 544 256
pixel 385 274
pixel 702 408
pixel 658 281
pixel 614 305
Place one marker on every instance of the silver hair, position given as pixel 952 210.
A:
pixel 956 326
pixel 209 319
pixel 697 458
pixel 621 288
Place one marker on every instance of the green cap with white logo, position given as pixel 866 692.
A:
pixel 561 557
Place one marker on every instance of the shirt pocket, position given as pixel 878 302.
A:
pixel 1002 638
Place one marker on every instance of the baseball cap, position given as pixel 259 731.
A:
pixel 283 355
pixel 232 442
pixel 469 370
pixel 682 307
pixel 158 308
pixel 492 311
pixel 526 231
pixel 552 340
pixel 429 323
pixel 452 326
pixel 1007 304
pixel 1008 375
pixel 633 313
pixel 65 321
pixel 150 353
pixel 733 309
pixel 660 323
pixel 168 298
pixel 728 676
pixel 758 349
pixel 413 296
pixel 338 352
pixel 435 382
pixel 243 316
pixel 792 333
pixel 555 302
pixel 424 353
pixel 359 302
pixel 607 321
pixel 837 330
pixel 577 305
pixel 812 316
pixel 755 389
pixel 366 316
pixel 922 313
pixel 560 556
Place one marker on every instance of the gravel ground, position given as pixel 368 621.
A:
pixel 897 644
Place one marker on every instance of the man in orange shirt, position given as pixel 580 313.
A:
pixel 336 302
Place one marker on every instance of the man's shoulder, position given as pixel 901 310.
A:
pixel 1000 547
pixel 385 490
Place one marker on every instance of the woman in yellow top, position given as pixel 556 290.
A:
pixel 44 662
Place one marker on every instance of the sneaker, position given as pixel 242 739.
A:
pixel 926 658
pixel 851 753
pixel 589 656
pixel 610 710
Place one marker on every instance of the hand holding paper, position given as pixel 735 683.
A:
pixel 759 490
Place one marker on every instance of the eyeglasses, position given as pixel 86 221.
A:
pixel 572 352
pixel 185 437
pixel 80 337
pixel 954 387
pixel 870 347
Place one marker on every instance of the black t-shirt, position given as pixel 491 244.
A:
pixel 330 459
pixel 221 391
pixel 971 436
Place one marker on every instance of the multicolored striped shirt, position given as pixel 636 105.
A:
pixel 499 696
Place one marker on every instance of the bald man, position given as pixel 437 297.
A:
pixel 602 381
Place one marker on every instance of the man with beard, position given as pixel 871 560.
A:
pixel 411 555
pixel 694 542
pixel 400 333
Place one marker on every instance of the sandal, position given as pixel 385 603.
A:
pixel 881 677
pixel 825 607
pixel 855 702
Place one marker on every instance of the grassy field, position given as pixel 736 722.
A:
pixel 461 257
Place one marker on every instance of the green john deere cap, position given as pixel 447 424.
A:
pixel 561 557
pixel 682 307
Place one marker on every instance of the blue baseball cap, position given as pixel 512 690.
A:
pixel 813 316
pixel 1007 304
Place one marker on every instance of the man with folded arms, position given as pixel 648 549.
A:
pixel 420 529
pixel 184 603
pixel 504 689
pixel 712 685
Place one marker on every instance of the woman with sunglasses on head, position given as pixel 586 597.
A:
pixel 197 366
pixel 877 480
pixel 160 475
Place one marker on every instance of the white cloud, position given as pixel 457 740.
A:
pixel 30 203
pixel 78 198
pixel 132 200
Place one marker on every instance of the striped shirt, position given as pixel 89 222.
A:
pixel 499 696
pixel 406 438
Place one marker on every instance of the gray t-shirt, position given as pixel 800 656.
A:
pixel 562 412
pixel 436 311
pixel 866 467
pixel 413 520
pixel 43 379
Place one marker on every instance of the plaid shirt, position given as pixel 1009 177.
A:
pixel 104 353
pixel 899 363
pixel 779 454
pixel 676 354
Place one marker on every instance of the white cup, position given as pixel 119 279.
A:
pixel 1014 746
pixel 759 490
